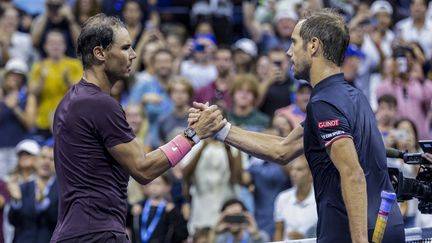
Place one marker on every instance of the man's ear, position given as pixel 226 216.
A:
pixel 314 46
pixel 99 54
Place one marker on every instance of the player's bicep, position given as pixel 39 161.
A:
pixel 344 155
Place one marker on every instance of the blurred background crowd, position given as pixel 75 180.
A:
pixel 229 53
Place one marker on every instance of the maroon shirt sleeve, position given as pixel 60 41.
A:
pixel 110 123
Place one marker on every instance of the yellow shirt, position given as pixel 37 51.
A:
pixel 55 86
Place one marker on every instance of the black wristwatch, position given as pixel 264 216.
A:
pixel 191 134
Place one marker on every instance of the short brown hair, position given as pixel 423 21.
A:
pixel 248 80
pixel 183 81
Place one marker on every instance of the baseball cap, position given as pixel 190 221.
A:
pixel 381 6
pixel 286 14
pixel 354 51
pixel 246 45
pixel 28 145
pixel 16 65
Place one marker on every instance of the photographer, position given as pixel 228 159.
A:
pixel 413 95
pixel 236 224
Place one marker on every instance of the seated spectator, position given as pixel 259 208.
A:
pixel 57 16
pixel 34 204
pixel 237 225
pixel 156 219
pixel 14 43
pixel 132 16
pixel 296 113
pixel 353 58
pixel 203 235
pixel 263 68
pixel 120 92
pixel 244 93
pixel 51 78
pixel 17 112
pixel 295 212
pixel 386 116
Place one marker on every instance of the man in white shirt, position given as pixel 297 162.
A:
pixel 295 209
pixel 417 28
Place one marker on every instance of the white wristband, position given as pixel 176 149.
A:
pixel 223 133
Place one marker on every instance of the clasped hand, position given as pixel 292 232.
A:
pixel 206 120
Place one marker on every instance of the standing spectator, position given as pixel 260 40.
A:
pixel 132 17
pixel 157 216
pixel 244 93
pixel 278 89
pixel 295 209
pixel 200 69
pixel 152 93
pixel 416 28
pixel 27 151
pixel 267 39
pixel 209 171
pixel 51 78
pixel 84 9
pixel 13 43
pixel 57 16
pixel 17 112
pixel 217 92
pixel 413 96
pixel 245 52
pixel 237 225
pixel 180 91
pixel 382 11
pixel 34 204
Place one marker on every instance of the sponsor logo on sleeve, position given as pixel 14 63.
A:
pixel 328 123
pixel 332 135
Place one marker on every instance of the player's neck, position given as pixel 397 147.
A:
pixel 98 78
pixel 322 69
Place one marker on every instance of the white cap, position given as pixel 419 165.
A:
pixel 381 6
pixel 28 145
pixel 16 65
pixel 246 45
pixel 286 14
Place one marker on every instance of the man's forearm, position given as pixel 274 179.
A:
pixel 355 198
pixel 268 147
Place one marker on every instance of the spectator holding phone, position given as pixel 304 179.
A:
pixel 236 224
pixel 413 96
pixel 278 89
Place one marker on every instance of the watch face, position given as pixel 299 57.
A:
pixel 190 132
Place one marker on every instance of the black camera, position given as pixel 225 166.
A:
pixel 409 188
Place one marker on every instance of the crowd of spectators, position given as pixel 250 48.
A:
pixel 225 52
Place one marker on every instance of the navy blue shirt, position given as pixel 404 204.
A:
pixel 92 185
pixel 338 110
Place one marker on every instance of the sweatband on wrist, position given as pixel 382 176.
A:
pixel 223 133
pixel 176 149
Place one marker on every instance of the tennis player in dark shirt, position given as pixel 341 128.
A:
pixel 95 150
pixel 339 137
